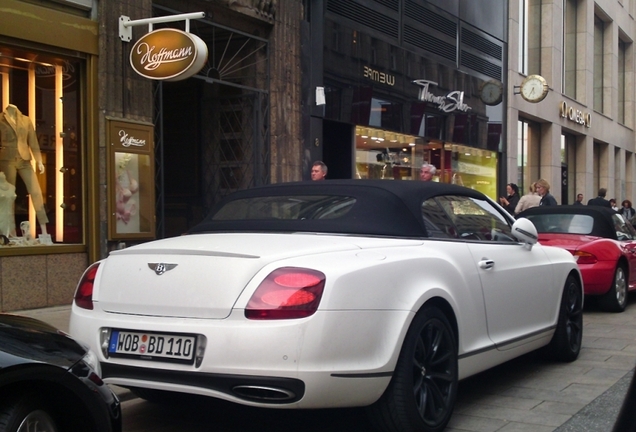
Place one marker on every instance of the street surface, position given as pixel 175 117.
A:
pixel 527 394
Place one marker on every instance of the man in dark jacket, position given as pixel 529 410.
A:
pixel 579 200
pixel 600 199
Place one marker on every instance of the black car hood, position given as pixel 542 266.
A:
pixel 28 340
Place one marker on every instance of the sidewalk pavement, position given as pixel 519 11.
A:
pixel 528 394
pixel 536 395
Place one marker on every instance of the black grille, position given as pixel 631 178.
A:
pixel 429 43
pixel 430 19
pixel 480 65
pixel 365 16
pixel 482 44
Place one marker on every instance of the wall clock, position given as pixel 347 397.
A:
pixel 534 88
pixel 491 92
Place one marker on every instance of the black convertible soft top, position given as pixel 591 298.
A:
pixel 380 207
pixel 603 221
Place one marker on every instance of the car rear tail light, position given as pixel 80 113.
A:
pixel 84 292
pixel 287 293
pixel 583 257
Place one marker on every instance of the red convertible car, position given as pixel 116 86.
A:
pixel 601 240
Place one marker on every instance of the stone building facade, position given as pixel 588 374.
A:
pixel 235 124
pixel 581 136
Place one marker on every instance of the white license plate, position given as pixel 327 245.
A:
pixel 152 346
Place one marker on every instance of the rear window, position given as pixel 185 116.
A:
pixel 563 223
pixel 294 207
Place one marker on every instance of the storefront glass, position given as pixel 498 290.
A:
pixel 41 148
pixel 387 155
pixel 412 109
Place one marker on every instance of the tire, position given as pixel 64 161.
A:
pixel 566 342
pixel 615 300
pixel 421 395
pixel 27 414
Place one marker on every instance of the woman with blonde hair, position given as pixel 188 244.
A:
pixel 529 200
pixel 543 189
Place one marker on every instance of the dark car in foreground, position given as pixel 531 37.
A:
pixel 51 383
pixel 601 240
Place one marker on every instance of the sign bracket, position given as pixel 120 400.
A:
pixel 126 25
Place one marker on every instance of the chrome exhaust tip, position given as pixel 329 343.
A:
pixel 263 394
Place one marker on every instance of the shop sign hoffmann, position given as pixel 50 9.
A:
pixel 128 140
pixel 168 55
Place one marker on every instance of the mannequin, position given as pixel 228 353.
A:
pixel 17 143
pixel 7 201
pixel 127 186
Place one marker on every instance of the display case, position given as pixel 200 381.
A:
pixel 131 186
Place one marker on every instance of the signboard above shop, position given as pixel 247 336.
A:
pixel 168 54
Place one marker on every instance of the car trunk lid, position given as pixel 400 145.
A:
pixel 570 242
pixel 197 276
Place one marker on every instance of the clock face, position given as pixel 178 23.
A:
pixel 492 92
pixel 534 88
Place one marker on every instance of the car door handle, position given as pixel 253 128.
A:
pixel 486 264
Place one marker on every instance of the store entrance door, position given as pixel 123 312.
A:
pixel 211 142
pixel 212 131
pixel 338 150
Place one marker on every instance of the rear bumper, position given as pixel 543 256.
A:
pixel 259 389
pixel 598 278
pixel 325 361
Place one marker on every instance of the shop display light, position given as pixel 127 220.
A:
pixel 31 108
pixel 59 155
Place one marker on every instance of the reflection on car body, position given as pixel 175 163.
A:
pixel 337 293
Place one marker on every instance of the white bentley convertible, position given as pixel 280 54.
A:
pixel 332 294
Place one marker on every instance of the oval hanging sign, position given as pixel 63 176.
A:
pixel 168 55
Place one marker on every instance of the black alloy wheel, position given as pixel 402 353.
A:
pixel 615 300
pixel 422 393
pixel 26 414
pixel 566 341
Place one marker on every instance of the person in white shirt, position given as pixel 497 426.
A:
pixel 529 200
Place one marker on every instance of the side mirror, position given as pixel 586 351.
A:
pixel 525 232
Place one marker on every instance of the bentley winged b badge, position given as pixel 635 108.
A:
pixel 161 268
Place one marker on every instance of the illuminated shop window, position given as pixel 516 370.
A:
pixel 41 149
pixel 386 155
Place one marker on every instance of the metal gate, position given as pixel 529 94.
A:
pixel 234 126
pixel 238 155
